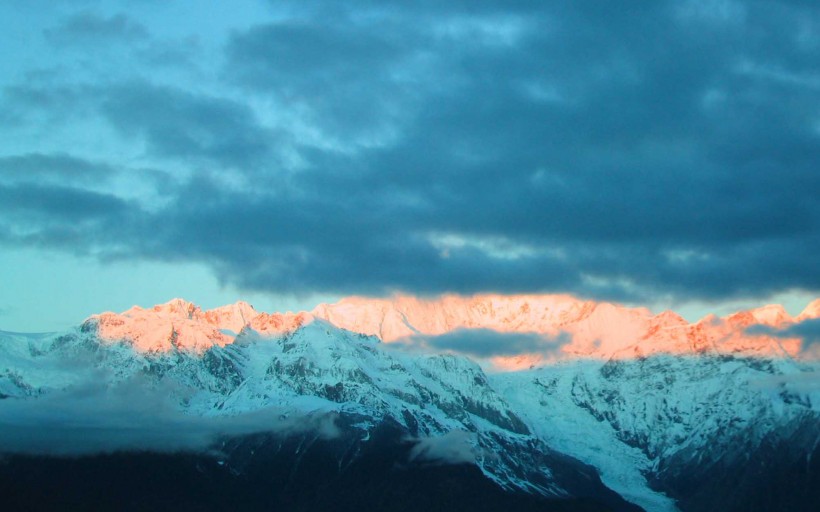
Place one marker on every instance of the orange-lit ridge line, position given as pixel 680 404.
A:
pixel 569 327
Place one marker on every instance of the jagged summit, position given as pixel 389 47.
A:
pixel 176 324
pixel 175 307
pixel 585 328
pixel 233 317
pixel 772 315
pixel 811 311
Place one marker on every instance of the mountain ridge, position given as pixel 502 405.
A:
pixel 586 328
pixel 653 427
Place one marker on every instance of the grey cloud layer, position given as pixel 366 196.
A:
pixel 177 124
pixel 90 28
pixel 58 167
pixel 485 343
pixel 667 150
pixel 807 330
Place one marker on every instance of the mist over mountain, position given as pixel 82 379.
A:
pixel 539 402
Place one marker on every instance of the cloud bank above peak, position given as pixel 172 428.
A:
pixel 627 154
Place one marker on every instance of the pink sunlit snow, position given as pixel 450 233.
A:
pixel 583 328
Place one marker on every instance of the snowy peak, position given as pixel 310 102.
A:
pixel 158 333
pixel 773 315
pixel 403 315
pixel 586 328
pixel 174 325
pixel 583 328
pixel 233 317
pixel 174 308
pixel 279 323
pixel 669 318
pixel 811 311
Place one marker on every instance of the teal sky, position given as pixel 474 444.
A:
pixel 56 292
pixel 287 153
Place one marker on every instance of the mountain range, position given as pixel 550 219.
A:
pixel 539 402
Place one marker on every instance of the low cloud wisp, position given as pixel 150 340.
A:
pixel 94 418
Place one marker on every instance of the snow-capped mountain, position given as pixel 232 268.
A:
pixel 581 328
pixel 626 407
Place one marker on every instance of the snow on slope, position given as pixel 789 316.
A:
pixel 544 398
pixel 628 417
pixel 315 368
pixel 658 389
pixel 811 311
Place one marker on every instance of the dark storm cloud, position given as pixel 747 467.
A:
pixel 58 201
pixel 173 122
pixel 73 219
pixel 640 143
pixel 171 54
pixel 40 167
pixel 90 28
pixel 343 77
pixel 807 330
pixel 43 100
pixel 179 124
pixel 665 149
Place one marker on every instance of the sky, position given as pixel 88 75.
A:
pixel 661 153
